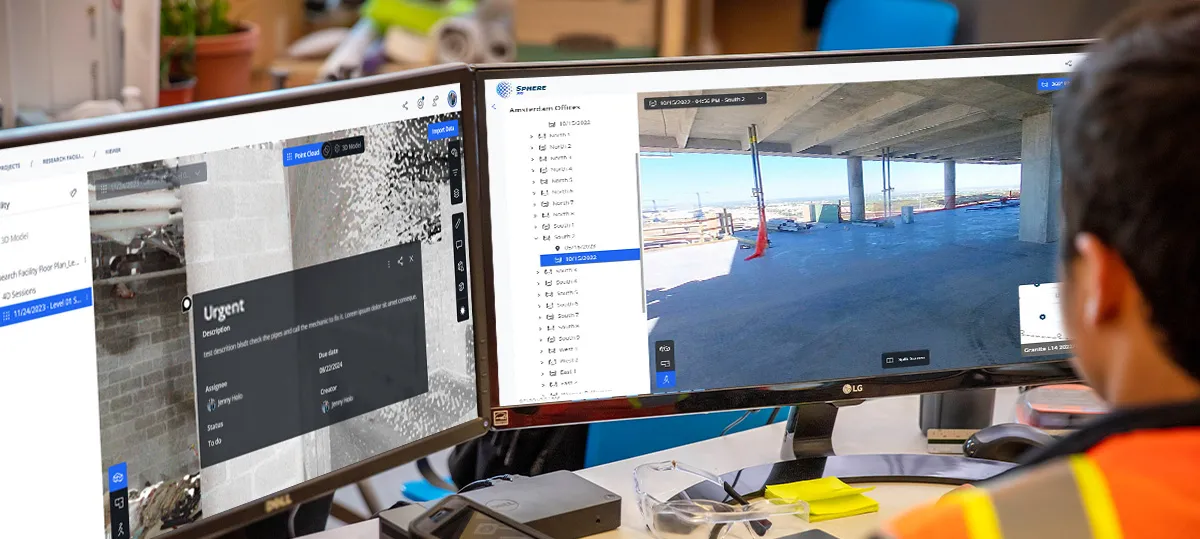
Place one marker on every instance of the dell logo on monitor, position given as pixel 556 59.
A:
pixel 852 388
pixel 277 503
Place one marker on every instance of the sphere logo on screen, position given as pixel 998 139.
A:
pixel 504 89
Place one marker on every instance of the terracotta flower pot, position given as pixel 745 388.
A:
pixel 223 63
pixel 178 93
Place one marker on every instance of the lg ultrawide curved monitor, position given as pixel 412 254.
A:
pixel 721 233
pixel 211 313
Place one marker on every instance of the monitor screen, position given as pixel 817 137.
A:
pixel 680 228
pixel 204 314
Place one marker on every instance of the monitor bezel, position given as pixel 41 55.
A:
pixel 283 500
pixel 653 405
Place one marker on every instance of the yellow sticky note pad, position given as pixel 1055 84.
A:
pixel 813 490
pixel 828 498
pixel 845 506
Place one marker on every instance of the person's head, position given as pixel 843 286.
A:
pixel 1128 126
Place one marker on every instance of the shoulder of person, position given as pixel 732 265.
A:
pixel 1031 495
pixel 1118 482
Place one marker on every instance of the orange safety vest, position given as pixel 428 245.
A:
pixel 1137 484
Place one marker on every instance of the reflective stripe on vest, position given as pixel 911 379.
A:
pixel 1093 491
pixel 1067 499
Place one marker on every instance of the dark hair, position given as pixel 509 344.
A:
pixel 1128 126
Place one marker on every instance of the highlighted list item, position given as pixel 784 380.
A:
pixel 47 306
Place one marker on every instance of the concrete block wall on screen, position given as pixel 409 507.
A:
pixel 950 193
pixel 236 222
pixel 1041 179
pixel 263 472
pixel 237 229
pixel 854 178
pixel 147 410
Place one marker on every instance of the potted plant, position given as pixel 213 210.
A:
pixel 176 74
pixel 223 49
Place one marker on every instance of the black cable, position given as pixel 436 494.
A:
pixel 736 422
pixel 425 468
pixel 736 478
pixel 484 483
pixel 718 530
pixel 539 463
pixel 291 521
pixel 761 526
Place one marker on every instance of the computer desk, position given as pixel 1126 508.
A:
pixel 879 426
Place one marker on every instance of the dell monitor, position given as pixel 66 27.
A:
pixel 692 235
pixel 212 312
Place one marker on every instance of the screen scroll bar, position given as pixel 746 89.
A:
pixel 637 177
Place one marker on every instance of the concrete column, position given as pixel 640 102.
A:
pixel 237 229
pixel 854 177
pixel 951 195
pixel 1041 180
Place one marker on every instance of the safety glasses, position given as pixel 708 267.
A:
pixel 691 518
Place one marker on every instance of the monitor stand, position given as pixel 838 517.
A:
pixel 810 426
pixel 808 454
pixel 809 430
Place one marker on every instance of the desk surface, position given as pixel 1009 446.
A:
pixel 879 426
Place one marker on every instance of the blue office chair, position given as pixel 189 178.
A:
pixel 887 24
pixel 616 440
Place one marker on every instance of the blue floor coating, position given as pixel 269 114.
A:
pixel 828 302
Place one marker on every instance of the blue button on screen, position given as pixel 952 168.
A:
pixel 442 130
pixel 1052 84
pixel 664 380
pixel 299 155
pixel 118 478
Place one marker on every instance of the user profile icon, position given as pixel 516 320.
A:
pixel 324 407
pixel 212 405
pixel 452 98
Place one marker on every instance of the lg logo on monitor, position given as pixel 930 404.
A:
pixel 852 388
